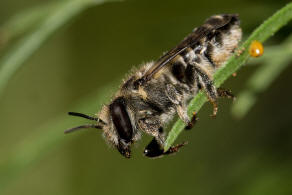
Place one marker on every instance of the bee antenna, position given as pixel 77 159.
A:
pixel 82 127
pixel 86 116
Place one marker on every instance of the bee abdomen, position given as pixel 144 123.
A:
pixel 221 43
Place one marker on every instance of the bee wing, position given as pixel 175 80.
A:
pixel 211 24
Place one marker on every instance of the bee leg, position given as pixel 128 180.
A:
pixel 193 122
pixel 225 93
pixel 176 98
pixel 173 94
pixel 151 126
pixel 175 148
pixel 211 92
pixel 207 85
pixel 215 108
pixel 155 150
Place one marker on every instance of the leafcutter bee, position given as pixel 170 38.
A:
pixel 154 93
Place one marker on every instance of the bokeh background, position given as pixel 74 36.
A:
pixel 77 69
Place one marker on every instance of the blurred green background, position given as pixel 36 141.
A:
pixel 85 60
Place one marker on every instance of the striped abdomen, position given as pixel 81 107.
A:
pixel 209 54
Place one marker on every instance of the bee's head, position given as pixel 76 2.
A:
pixel 121 126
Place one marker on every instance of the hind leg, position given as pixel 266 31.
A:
pixel 207 85
pixel 225 93
pixel 193 122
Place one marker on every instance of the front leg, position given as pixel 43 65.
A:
pixel 152 126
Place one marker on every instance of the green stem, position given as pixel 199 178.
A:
pixel 262 33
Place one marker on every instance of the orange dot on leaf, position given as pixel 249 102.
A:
pixel 256 49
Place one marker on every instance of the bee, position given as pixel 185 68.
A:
pixel 154 93
pixel 256 49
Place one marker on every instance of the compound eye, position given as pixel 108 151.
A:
pixel 121 119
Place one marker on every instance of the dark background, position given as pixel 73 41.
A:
pixel 224 155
